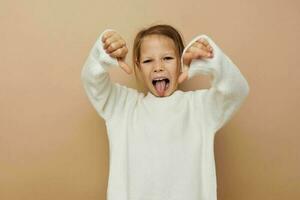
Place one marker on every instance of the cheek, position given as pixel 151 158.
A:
pixel 174 69
pixel 145 74
pixel 177 66
pixel 178 70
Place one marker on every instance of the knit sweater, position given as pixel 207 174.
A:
pixel 162 148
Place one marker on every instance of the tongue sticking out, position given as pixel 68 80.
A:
pixel 160 87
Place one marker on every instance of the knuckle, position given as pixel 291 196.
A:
pixel 103 38
pixel 108 40
pixel 106 44
pixel 112 53
pixel 120 44
pixel 118 52
pixel 123 43
pixel 110 49
pixel 107 35
pixel 203 46
pixel 125 49
pixel 111 33
pixel 112 45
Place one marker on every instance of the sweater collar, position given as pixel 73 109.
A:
pixel 173 96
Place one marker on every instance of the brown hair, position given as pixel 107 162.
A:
pixel 159 29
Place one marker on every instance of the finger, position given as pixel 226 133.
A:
pixel 203 41
pixel 203 53
pixel 110 37
pixel 210 47
pixel 197 46
pixel 198 52
pixel 202 46
pixel 114 38
pixel 107 35
pixel 124 66
pixel 184 75
pixel 119 53
pixel 115 45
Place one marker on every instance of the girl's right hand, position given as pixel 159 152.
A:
pixel 115 46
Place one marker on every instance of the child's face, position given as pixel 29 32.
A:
pixel 159 60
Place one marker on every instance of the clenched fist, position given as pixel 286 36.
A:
pixel 115 46
pixel 200 48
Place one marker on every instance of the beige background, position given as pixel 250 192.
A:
pixel 53 145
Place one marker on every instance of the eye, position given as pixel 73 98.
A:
pixel 146 61
pixel 168 58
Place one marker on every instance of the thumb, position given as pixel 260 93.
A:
pixel 124 66
pixel 184 75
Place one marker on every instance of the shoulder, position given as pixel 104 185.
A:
pixel 192 96
pixel 130 93
pixel 196 97
pixel 193 93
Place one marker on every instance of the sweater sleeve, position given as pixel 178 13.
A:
pixel 228 90
pixel 108 98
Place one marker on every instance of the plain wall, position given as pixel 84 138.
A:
pixel 53 145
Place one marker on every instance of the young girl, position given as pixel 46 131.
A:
pixel 162 144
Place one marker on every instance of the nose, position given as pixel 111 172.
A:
pixel 159 67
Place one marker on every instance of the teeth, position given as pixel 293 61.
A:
pixel 159 79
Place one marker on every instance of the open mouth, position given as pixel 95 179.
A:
pixel 161 85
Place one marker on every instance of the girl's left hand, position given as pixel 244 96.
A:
pixel 200 48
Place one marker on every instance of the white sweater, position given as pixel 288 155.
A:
pixel 162 148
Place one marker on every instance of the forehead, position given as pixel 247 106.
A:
pixel 157 43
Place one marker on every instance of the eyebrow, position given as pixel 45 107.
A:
pixel 168 53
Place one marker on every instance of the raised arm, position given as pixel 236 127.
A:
pixel 228 90
pixel 108 98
